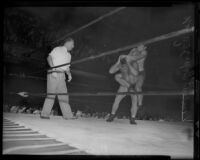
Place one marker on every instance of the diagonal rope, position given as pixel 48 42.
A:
pixel 149 41
pixel 91 23
pixel 86 25
pixel 153 40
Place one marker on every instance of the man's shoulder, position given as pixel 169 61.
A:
pixel 54 50
pixel 61 50
pixel 57 48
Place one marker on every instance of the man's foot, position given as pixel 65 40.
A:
pixel 44 117
pixel 73 117
pixel 110 118
pixel 139 105
pixel 132 120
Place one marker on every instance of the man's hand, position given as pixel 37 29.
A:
pixel 122 56
pixel 69 75
pixel 69 78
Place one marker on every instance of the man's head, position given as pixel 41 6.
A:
pixel 141 48
pixel 133 52
pixel 138 51
pixel 69 44
pixel 123 61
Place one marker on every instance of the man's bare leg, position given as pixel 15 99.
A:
pixel 138 88
pixel 134 108
pixel 121 81
pixel 115 106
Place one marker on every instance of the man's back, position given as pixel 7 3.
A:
pixel 60 56
pixel 126 71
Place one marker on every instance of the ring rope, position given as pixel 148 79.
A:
pixel 91 23
pixel 82 84
pixel 149 93
pixel 152 40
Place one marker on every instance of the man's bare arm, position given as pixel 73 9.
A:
pixel 131 58
pixel 50 62
pixel 114 68
pixel 69 75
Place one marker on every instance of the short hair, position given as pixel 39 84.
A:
pixel 69 39
pixel 123 61
pixel 141 47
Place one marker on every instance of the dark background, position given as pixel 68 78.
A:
pixel 29 33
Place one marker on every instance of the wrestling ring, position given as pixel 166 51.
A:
pixel 27 134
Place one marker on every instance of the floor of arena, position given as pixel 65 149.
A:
pixel 28 134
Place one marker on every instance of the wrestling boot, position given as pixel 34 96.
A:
pixel 74 117
pixel 110 118
pixel 132 120
pixel 44 117
pixel 71 118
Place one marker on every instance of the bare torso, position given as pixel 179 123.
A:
pixel 127 75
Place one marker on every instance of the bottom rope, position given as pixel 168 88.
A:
pixel 149 93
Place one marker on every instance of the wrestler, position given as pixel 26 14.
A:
pixel 139 54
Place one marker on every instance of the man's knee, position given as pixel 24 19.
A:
pixel 139 84
pixel 140 81
pixel 63 98
pixel 118 98
pixel 134 99
pixel 118 77
pixel 138 88
pixel 51 97
pixel 122 89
